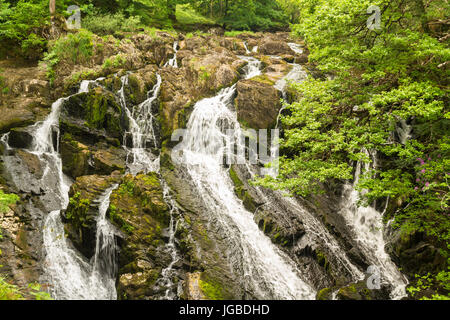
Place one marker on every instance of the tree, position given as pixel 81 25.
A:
pixel 52 7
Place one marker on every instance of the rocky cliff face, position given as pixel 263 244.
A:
pixel 94 148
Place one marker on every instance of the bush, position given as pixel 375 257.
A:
pixel 77 47
pixel 106 23
pixel 22 28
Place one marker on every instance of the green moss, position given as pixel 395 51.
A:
pixel 241 191
pixel 234 177
pixel 235 33
pixel 324 294
pixel 212 290
pixel 322 259
pixel 77 211
pixel 263 79
pixel 116 218
pixel 7 199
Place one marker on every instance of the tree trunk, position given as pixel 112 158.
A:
pixel 52 7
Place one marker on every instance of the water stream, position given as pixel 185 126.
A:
pixel 265 271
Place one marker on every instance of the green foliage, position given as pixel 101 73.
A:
pixel 187 15
pixel 114 62
pixel 6 199
pixel 75 47
pixel 9 291
pixel 421 286
pixel 77 211
pixel 235 33
pixel 23 26
pixel 381 79
pixel 36 291
pixel 110 23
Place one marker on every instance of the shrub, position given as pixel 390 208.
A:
pixel 106 23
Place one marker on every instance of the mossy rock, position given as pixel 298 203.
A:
pixel 242 192
pixel 324 294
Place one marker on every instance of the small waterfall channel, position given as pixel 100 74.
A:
pixel 367 226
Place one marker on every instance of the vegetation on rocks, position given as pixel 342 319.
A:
pixel 380 80
pixel 373 97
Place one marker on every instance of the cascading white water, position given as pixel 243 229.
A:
pixel 313 227
pixel 265 271
pixel 367 225
pixel 69 275
pixel 142 130
pixel 167 273
pixel 85 84
pixel 172 62
pixel 246 48
pixel 295 47
pixel 140 158
pixel 105 257
pixel 404 131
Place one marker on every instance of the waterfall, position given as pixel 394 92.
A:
pixel 142 130
pixel 172 62
pixel 140 158
pixel 295 47
pixel 246 48
pixel 70 275
pixel 404 131
pixel 266 271
pixel 367 226
pixel 167 273
pixel 105 258
pixel 85 84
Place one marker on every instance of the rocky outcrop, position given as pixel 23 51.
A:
pixel 359 291
pixel 80 217
pixel 138 209
pixel 257 102
pixel 202 71
pixel 415 252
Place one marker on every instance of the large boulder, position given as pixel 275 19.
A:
pixel 257 102
pixel 138 209
pixel 80 217
pixel 20 138
pixel 272 47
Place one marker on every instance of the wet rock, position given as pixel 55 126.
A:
pixel 271 47
pixel 20 138
pixel 359 291
pixel 138 209
pixel 80 217
pixel 74 156
pixel 415 252
pixel 32 162
pixel 107 161
pixel 15 117
pixel 203 71
pixel 191 287
pixel 35 87
pixel 257 103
